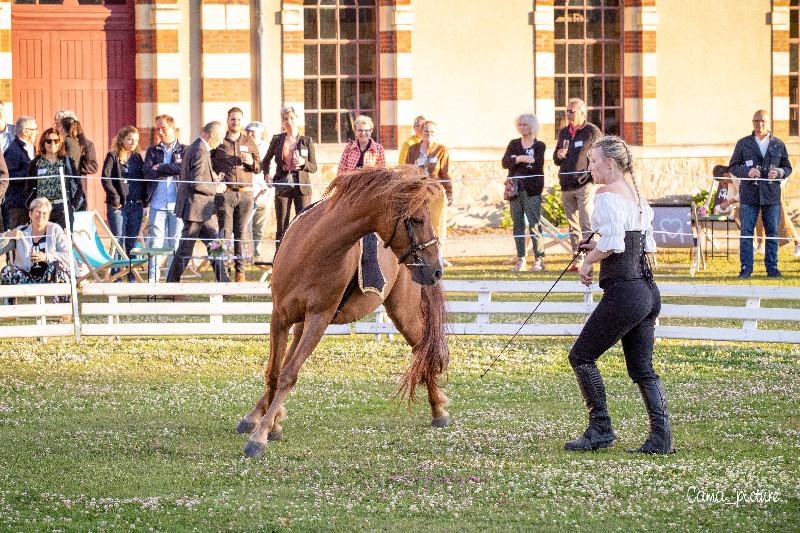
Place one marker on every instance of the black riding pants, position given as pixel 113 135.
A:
pixel 627 311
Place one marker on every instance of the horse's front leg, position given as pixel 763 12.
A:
pixel 278 336
pixel 313 329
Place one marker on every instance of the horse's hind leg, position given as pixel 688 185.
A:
pixel 403 306
pixel 313 329
pixel 277 345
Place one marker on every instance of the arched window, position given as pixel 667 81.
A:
pixel 588 60
pixel 341 71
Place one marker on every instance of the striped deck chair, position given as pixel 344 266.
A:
pixel 92 253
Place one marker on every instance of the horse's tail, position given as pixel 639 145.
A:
pixel 431 355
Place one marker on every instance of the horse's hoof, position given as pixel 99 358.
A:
pixel 253 449
pixel 275 435
pixel 245 426
pixel 441 422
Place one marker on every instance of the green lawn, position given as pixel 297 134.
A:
pixel 138 435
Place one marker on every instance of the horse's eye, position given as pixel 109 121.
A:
pixel 416 221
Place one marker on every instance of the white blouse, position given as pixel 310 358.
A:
pixel 614 215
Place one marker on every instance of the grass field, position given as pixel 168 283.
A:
pixel 138 435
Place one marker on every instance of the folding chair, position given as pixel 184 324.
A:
pixel 92 253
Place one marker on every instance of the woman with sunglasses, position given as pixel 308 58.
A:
pixel 51 158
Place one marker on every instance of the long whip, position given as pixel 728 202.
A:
pixel 574 257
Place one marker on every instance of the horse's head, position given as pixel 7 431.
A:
pixel 403 207
pixel 414 239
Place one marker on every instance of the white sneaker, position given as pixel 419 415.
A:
pixel 537 266
pixel 796 251
pixel 521 264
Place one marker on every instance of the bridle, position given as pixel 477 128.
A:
pixel 413 248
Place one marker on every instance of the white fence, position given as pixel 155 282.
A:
pixel 479 307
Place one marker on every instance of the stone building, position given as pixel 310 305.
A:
pixel 679 79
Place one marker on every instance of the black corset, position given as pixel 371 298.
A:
pixel 630 264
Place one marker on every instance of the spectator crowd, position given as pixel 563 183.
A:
pixel 224 186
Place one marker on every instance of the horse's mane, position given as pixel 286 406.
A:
pixel 404 188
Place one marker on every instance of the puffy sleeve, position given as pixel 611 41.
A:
pixel 609 223
pixel 649 241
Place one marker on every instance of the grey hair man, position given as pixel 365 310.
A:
pixel 195 204
pixel 572 158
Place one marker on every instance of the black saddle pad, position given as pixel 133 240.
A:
pixel 370 277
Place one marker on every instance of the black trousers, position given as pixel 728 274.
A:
pixel 283 206
pixel 192 231
pixel 235 213
pixel 627 311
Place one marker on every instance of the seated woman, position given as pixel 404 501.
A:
pixel 41 250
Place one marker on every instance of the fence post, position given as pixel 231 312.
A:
pixel 484 298
pixel 42 320
pixel 215 299
pixel 751 325
pixel 588 299
pixel 73 285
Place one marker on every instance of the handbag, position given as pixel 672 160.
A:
pixel 511 190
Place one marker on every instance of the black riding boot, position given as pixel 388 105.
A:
pixel 660 439
pixel 599 433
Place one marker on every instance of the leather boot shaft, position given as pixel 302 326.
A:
pixel 655 400
pixel 599 434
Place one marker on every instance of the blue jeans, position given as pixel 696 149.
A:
pixel 530 207
pixel 748 215
pixel 165 232
pixel 125 223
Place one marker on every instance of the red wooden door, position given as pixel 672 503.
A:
pixel 76 56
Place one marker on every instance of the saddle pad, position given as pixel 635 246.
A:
pixel 370 277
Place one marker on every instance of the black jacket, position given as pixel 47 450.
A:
pixel 155 156
pixel 18 164
pixel 275 150
pixel 747 155
pixel 82 151
pixel 533 185
pixel 577 158
pixel 119 191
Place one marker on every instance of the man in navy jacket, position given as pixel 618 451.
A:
pixel 18 158
pixel 760 160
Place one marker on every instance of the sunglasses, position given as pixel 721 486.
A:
pixel 52 141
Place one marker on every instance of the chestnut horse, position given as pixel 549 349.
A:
pixel 317 259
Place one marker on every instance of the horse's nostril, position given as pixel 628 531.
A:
pixel 437 274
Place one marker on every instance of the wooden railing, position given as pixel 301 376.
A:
pixel 478 308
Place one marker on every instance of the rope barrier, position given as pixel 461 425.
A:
pixel 498 179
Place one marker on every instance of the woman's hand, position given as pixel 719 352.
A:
pixel 524 159
pixel 586 272
pixel 38 257
pixel 13 234
pixel 587 246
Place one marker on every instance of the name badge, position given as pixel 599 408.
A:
pixel 42 172
pixel 177 158
pixel 433 160
pixel 244 148
pixel 304 152
pixel 578 144
pixel 749 163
